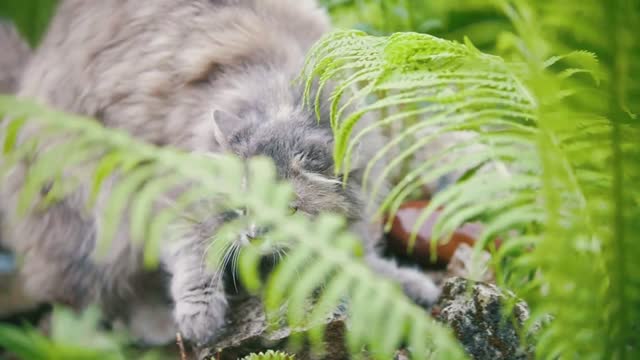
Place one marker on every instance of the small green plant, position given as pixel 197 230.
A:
pixel 270 355
pixel 72 337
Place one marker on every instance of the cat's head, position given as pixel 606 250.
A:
pixel 302 151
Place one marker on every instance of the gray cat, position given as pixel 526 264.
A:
pixel 205 76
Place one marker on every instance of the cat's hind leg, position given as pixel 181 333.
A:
pixel 416 285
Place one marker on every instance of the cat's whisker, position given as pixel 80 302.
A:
pixel 282 253
pixel 220 251
pixel 234 265
pixel 220 271
pixel 228 255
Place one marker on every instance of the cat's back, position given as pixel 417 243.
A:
pixel 144 66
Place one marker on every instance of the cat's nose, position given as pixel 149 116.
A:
pixel 256 232
pixel 252 233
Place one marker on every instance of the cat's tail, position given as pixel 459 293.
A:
pixel 14 55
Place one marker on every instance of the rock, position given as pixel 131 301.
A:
pixel 462 265
pixel 402 355
pixel 474 311
pixel 248 332
pixel 403 224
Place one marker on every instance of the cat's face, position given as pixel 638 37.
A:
pixel 302 154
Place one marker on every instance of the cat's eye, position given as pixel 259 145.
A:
pixel 293 209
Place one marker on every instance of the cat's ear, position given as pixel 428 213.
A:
pixel 224 126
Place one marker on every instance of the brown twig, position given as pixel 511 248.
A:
pixel 183 353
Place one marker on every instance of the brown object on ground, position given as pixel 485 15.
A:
pixel 404 222
pixel 248 332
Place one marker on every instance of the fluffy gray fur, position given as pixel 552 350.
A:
pixel 161 71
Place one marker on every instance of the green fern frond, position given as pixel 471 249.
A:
pixel 342 276
pixel 143 175
pixel 569 123
pixel 590 155
pixel 436 87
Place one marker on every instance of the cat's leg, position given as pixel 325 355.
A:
pixel 198 292
pixel 416 285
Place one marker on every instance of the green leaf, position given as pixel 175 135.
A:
pixel 31 17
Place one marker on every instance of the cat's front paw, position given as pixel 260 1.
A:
pixel 420 288
pixel 201 321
